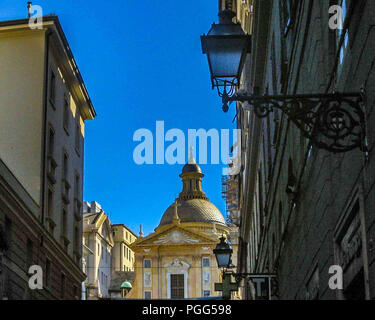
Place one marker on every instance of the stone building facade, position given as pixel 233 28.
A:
pixel 109 261
pixel 98 237
pixel 304 209
pixel 43 108
pixel 123 257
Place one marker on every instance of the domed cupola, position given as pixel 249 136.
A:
pixel 192 180
pixel 192 204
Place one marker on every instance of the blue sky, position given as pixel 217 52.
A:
pixel 141 62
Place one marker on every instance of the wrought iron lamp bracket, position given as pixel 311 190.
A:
pixel 334 122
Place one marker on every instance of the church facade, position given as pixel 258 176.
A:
pixel 177 260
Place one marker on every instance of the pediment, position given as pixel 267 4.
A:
pixel 104 228
pixel 176 236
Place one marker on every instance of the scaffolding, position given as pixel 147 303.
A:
pixel 230 193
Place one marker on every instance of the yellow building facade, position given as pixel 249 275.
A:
pixel 122 256
pixel 177 260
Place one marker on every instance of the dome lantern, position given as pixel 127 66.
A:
pixel 192 205
pixel 192 180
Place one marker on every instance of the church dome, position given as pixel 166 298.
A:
pixel 194 210
pixel 192 205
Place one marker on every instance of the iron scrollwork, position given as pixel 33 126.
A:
pixel 334 122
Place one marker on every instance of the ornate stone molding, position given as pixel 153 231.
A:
pixel 177 264
pixel 175 237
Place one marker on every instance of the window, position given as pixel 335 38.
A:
pixel 205 262
pixel 177 286
pixel 66 113
pixel 50 211
pixel 29 254
pixel 51 141
pixel 78 137
pixel 76 239
pixel 280 222
pixel 65 166
pixel 8 236
pixel 147 295
pixel 51 163
pixel 206 293
pixel 52 89
pixel 77 201
pixel 64 228
pixel 66 185
pixel 48 272
pixel 62 284
pixel 50 203
pixel 147 263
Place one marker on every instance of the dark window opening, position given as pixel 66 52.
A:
pixel 52 88
pixel 177 286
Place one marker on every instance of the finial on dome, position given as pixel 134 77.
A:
pixel 176 218
pixel 191 156
pixel 140 231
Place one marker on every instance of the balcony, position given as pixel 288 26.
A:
pixel 65 191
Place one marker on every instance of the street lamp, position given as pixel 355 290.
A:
pixel 223 253
pixel 226 46
pixel 332 121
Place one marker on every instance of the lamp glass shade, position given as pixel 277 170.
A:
pixel 226 47
pixel 223 260
pixel 225 57
pixel 223 253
